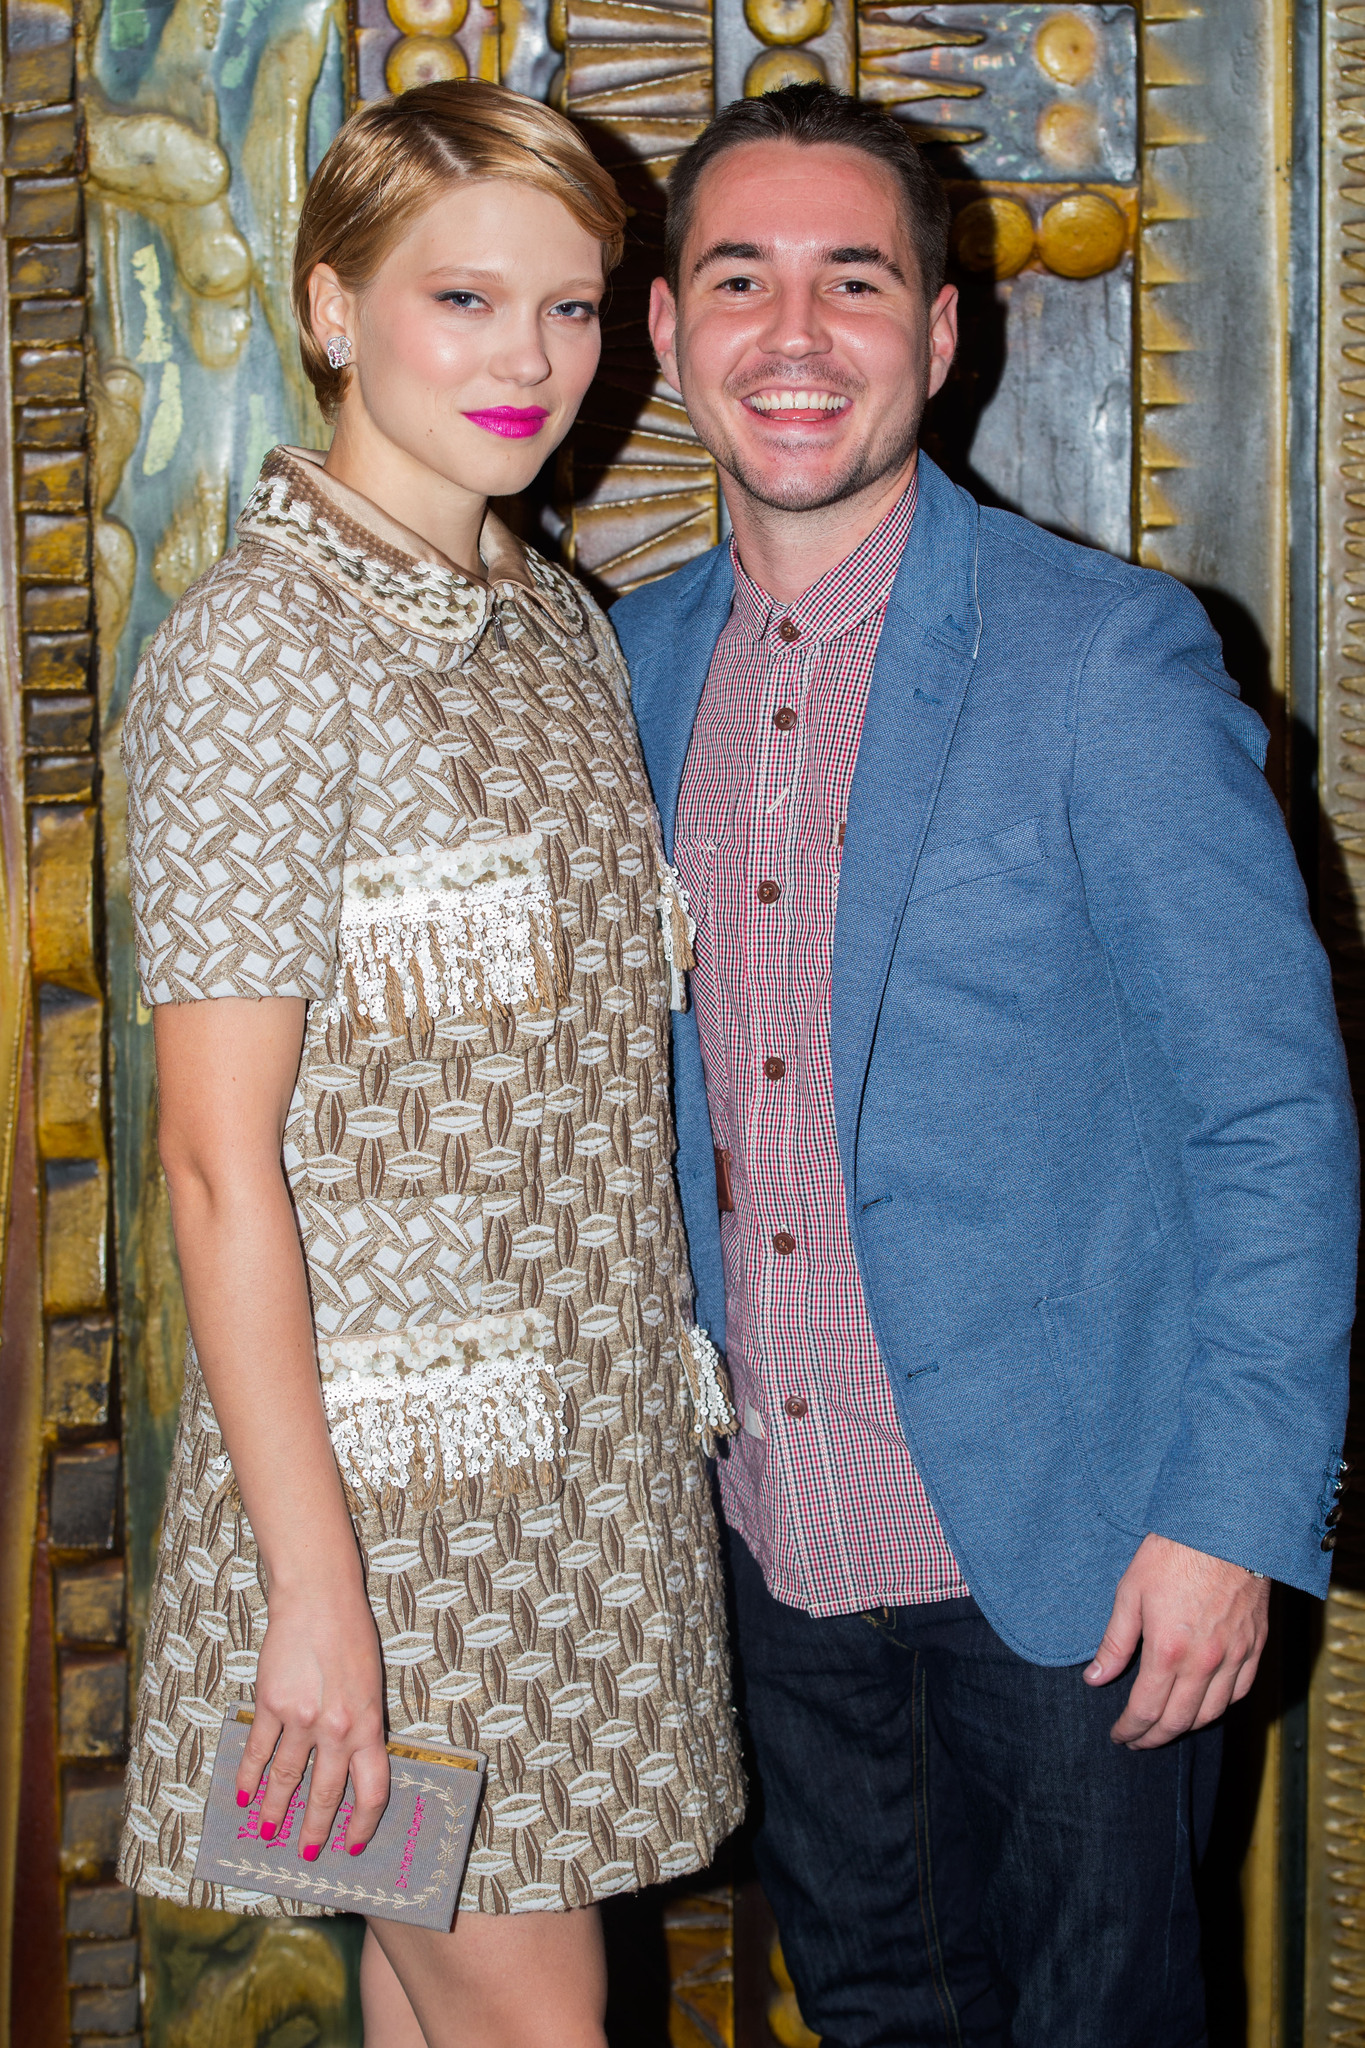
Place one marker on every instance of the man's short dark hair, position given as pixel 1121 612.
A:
pixel 810 114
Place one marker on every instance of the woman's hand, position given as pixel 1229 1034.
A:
pixel 226 1072
pixel 319 1692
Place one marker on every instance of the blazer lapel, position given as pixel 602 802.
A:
pixel 669 679
pixel 924 662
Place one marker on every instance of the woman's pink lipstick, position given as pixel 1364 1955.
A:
pixel 513 422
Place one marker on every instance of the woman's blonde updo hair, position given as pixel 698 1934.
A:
pixel 391 159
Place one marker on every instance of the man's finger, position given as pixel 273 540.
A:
pixel 1148 1698
pixel 260 1745
pixel 1246 1677
pixel 1179 1714
pixel 370 1784
pixel 1219 1697
pixel 1115 1652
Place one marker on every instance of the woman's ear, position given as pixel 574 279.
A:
pixel 331 308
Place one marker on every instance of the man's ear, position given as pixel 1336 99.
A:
pixel 663 330
pixel 942 337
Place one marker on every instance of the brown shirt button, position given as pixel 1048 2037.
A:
pixel 797 1405
pixel 783 1242
pixel 768 892
pixel 789 630
pixel 785 718
pixel 774 1068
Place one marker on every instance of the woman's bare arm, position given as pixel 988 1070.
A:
pixel 226 1071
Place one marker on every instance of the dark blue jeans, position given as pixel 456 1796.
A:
pixel 955 1851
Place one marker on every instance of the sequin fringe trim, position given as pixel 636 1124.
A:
pixel 466 933
pixel 679 929
pixel 424 1412
pixel 709 1385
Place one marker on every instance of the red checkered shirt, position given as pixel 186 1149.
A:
pixel 819 1482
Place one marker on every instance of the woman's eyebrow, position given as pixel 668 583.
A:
pixel 468 271
pixel 463 270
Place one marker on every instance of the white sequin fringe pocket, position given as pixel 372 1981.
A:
pixel 464 931
pixel 679 930
pixel 425 1412
pixel 708 1382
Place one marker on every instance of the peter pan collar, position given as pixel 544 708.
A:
pixel 342 534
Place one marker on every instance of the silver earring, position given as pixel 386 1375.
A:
pixel 338 350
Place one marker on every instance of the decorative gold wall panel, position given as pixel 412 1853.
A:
pixel 1336 1800
pixel 49 601
pixel 637 488
pixel 1213 325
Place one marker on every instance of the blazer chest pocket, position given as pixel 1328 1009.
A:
pixel 974 860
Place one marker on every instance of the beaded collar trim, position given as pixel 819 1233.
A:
pixel 346 538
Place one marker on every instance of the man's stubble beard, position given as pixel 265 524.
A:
pixel 867 466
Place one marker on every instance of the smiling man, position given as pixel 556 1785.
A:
pixel 1015 1142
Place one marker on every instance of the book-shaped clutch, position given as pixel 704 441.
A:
pixel 412 1866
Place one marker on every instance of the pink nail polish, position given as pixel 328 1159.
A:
pixel 357 1848
pixel 268 1828
pixel 311 1853
pixel 244 1799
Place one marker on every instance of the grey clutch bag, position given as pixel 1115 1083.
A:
pixel 412 1866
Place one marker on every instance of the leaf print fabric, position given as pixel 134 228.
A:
pixel 480 1149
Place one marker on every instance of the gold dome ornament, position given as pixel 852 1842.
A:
pixel 783 67
pixel 993 234
pixel 1066 48
pixel 1082 235
pixel 788 21
pixel 423 60
pixel 428 17
pixel 1069 136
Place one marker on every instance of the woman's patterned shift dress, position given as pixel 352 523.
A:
pixel 360 777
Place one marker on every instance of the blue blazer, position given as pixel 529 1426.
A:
pixel 1098 1145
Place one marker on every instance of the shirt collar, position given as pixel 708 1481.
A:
pixel 843 596
pixel 346 537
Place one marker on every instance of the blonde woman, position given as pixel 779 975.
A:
pixel 405 926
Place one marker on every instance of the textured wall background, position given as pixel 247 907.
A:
pixel 203 123
pixel 156 156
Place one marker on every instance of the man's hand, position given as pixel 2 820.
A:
pixel 1203 1626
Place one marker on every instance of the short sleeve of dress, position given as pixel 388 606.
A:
pixel 237 751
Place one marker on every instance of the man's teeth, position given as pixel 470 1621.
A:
pixel 797 401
